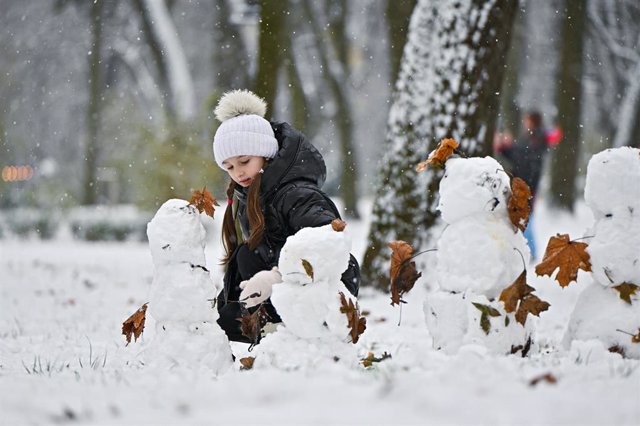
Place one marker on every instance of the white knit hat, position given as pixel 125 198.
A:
pixel 243 130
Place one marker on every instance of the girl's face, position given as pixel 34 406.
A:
pixel 243 168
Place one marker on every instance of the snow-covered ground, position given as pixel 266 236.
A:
pixel 63 359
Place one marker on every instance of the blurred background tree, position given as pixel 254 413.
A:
pixel 110 102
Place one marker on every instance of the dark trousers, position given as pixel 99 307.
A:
pixel 243 265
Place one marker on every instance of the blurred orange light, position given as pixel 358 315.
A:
pixel 16 173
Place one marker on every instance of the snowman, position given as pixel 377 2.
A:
pixel 479 253
pixel 182 294
pixel 612 191
pixel 313 330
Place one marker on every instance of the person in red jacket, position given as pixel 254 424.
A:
pixel 526 155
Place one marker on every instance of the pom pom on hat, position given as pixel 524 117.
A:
pixel 243 130
pixel 240 102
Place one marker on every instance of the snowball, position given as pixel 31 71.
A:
pixel 471 186
pixel 182 293
pixel 453 321
pixel 613 182
pixel 326 250
pixel 599 313
pixel 614 250
pixel 310 307
pixel 480 253
pixel 176 234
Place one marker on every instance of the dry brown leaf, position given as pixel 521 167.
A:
pixel 203 201
pixel 251 323
pixel 247 362
pixel 403 270
pixel 515 292
pixel 626 290
pixel 518 206
pixel 307 268
pixel 338 225
pixel 636 337
pixel 357 324
pixel 439 156
pixel 567 255
pixel 547 378
pixel 530 304
pixel 134 325
pixel 518 296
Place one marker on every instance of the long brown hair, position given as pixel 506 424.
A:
pixel 230 236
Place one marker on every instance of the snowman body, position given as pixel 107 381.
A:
pixel 313 329
pixel 479 253
pixel 182 295
pixel 612 193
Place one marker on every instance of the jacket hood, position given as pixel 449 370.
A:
pixel 297 160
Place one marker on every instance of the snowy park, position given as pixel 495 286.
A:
pixel 64 359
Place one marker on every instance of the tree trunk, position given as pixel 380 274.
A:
pixel 398 15
pixel 564 161
pixel 230 60
pixel 337 82
pixel 273 30
pixel 174 61
pixel 628 128
pixel 509 108
pixel 174 75
pixel 450 73
pixel 89 191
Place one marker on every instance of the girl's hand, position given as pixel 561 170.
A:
pixel 257 289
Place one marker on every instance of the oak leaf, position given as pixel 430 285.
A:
pixel 247 362
pixel 403 270
pixel 487 311
pixel 134 325
pixel 338 225
pixel 626 290
pixel 439 156
pixel 568 256
pixel 203 201
pixel 519 207
pixel 307 268
pixel 357 324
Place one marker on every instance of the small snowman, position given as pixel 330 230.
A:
pixel 182 294
pixel 609 307
pixel 309 301
pixel 479 253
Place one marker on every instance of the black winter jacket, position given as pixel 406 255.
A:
pixel 291 199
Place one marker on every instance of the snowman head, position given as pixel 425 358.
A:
pixel 612 188
pixel 472 186
pixel 176 234
pixel 321 252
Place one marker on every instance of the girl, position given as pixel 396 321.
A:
pixel 276 175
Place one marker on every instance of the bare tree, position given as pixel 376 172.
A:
pixel 273 33
pixel 398 16
pixel 450 73
pixel 169 56
pixel 564 161
pixel 615 33
pixel 335 70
